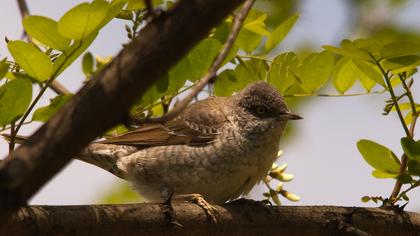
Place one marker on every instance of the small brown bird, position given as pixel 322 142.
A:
pixel 219 147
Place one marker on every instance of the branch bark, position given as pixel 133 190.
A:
pixel 248 218
pixel 104 101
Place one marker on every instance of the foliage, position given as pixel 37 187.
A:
pixel 377 65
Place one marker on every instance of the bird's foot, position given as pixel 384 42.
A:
pixel 211 212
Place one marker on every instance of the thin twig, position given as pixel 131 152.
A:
pixel 236 26
pixel 404 159
pixel 11 144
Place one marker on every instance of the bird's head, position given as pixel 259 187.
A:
pixel 263 108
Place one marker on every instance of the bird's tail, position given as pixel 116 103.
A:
pixel 105 156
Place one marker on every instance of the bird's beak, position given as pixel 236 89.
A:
pixel 290 116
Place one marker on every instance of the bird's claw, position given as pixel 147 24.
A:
pixel 211 212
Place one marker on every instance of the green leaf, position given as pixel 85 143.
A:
pixel 411 148
pixel 248 41
pixel 34 62
pixel 316 70
pixel 399 49
pixel 365 199
pixel 370 45
pixel 83 20
pixel 280 32
pixel 71 54
pixel 401 64
pixel 246 72
pixel 226 83
pixel 87 64
pixel 281 71
pixel 44 113
pixel 348 49
pixel 4 68
pixel 255 23
pixel 156 91
pixel 366 81
pixel 251 71
pixel 370 71
pixel 139 4
pixel 195 64
pixel 15 97
pixel 344 75
pixel 383 175
pixel 414 167
pixel 405 179
pixel 378 156
pixel 45 30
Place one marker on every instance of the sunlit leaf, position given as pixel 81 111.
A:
pixel 4 68
pixel 87 63
pixel 195 64
pixel 378 156
pixel 370 71
pixel 255 23
pixel 139 4
pixel 366 81
pixel 45 30
pixel 226 83
pixel 344 75
pixel 348 49
pixel 281 71
pixel 71 54
pixel 401 64
pixel 83 20
pixel 383 175
pixel 33 61
pixel 315 70
pixel 15 97
pixel 399 49
pixel 44 113
pixel 280 32
pixel 248 41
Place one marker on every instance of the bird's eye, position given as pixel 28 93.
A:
pixel 261 110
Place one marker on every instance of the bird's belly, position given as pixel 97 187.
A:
pixel 219 174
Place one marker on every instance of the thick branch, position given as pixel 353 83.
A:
pixel 234 219
pixel 103 102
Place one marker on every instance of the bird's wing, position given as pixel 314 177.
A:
pixel 198 124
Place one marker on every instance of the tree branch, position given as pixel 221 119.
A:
pixel 105 99
pixel 249 218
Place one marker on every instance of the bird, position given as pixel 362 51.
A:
pixel 218 148
pixel 214 151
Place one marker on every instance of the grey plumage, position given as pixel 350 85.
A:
pixel 219 147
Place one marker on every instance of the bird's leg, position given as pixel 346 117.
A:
pixel 211 212
pixel 169 212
